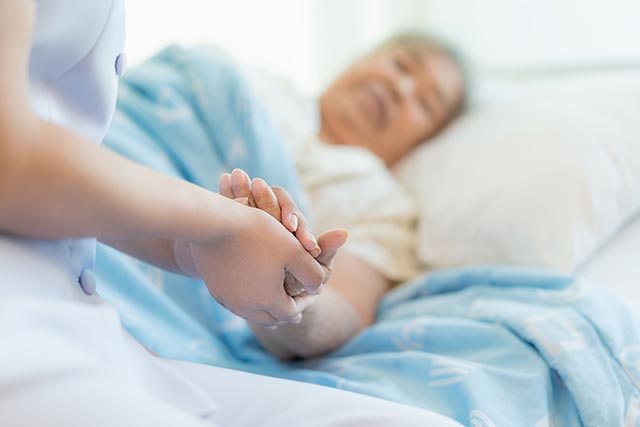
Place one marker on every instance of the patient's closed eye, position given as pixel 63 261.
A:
pixel 401 64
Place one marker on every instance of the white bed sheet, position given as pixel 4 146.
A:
pixel 617 264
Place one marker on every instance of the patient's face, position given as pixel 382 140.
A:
pixel 391 100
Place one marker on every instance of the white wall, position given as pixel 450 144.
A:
pixel 346 29
pixel 275 34
pixel 310 40
pixel 540 33
pixel 307 40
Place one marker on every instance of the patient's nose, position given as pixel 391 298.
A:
pixel 405 86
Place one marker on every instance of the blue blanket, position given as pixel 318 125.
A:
pixel 486 346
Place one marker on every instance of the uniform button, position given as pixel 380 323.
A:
pixel 121 64
pixel 88 282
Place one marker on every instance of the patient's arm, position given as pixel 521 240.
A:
pixel 346 305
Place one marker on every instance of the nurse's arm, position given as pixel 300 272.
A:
pixel 176 256
pixel 159 252
pixel 55 184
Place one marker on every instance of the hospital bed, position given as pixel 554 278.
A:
pixel 485 345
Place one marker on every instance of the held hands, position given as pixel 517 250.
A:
pixel 244 269
pixel 278 203
pixel 247 269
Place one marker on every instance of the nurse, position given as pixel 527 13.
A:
pixel 65 359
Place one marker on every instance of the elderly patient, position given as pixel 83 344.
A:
pixel 380 108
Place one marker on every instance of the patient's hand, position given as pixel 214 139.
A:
pixel 279 204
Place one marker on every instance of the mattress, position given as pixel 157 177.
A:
pixel 617 264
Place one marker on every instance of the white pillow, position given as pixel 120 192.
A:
pixel 538 181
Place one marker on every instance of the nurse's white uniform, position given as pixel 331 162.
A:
pixel 65 359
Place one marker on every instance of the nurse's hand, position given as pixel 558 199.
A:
pixel 276 201
pixel 280 205
pixel 245 269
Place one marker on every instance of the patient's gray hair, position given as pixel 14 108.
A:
pixel 419 40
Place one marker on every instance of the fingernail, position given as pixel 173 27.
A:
pixel 297 319
pixel 294 222
pixel 315 251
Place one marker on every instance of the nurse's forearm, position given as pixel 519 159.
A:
pixel 159 252
pixel 54 184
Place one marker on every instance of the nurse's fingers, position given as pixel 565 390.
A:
pixel 265 198
pixel 330 242
pixel 303 302
pixel 259 316
pixel 289 210
pixel 264 318
pixel 308 271
pixel 293 219
pixel 288 310
pixel 242 201
pixel 241 185
pixel 224 186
